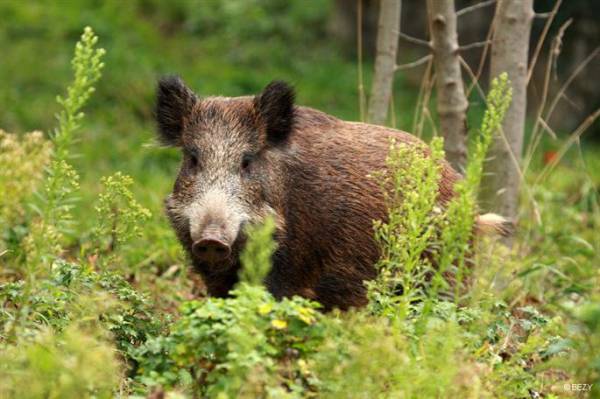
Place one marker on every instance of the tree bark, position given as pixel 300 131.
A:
pixel 385 61
pixel 451 100
pixel 510 50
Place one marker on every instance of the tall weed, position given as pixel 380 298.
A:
pixel 45 240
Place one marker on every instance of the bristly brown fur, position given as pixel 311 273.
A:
pixel 310 169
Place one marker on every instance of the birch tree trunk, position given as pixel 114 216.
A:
pixel 451 100
pixel 510 50
pixel 385 61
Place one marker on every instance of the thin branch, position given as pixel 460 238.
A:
pixel 572 103
pixel 474 7
pixel 535 142
pixel 413 64
pixel 424 83
pixel 474 82
pixel 474 45
pixel 548 129
pixel 483 55
pixel 426 101
pixel 568 82
pixel 392 111
pixel 540 42
pixel 427 113
pixel 572 139
pixel 542 15
pixel 521 174
pixel 535 134
pixel 414 40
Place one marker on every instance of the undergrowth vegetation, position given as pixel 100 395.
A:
pixel 79 320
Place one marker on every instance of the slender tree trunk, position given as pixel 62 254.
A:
pixel 385 61
pixel 451 100
pixel 510 49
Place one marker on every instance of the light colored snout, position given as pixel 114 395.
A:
pixel 214 226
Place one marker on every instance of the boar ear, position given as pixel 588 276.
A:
pixel 174 104
pixel 275 105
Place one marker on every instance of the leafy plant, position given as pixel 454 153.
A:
pixel 120 216
pixel 60 319
pixel 22 163
pixel 46 233
pixel 87 69
pixel 257 253
pixel 57 365
pixel 410 187
pixel 457 231
pixel 56 302
pixel 246 346
pixel 419 232
pixel 55 201
pixel 371 357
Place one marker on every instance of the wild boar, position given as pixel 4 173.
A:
pixel 248 157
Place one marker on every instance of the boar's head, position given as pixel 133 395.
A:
pixel 231 174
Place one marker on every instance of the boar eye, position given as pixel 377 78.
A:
pixel 246 161
pixel 193 159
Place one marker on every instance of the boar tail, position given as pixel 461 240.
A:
pixel 493 224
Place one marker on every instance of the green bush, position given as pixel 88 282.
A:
pixel 410 186
pixel 70 364
pixel 18 177
pixel 247 346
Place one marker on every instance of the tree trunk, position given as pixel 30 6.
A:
pixel 510 49
pixel 385 61
pixel 451 100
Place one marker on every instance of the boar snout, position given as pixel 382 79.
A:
pixel 211 246
pixel 211 251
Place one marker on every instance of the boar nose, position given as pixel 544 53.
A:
pixel 211 249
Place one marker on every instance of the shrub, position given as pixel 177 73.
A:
pixel 247 346
pixel 457 229
pixel 22 164
pixel 120 218
pixel 410 187
pixel 56 302
pixel 418 231
pixel 370 357
pixel 59 365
